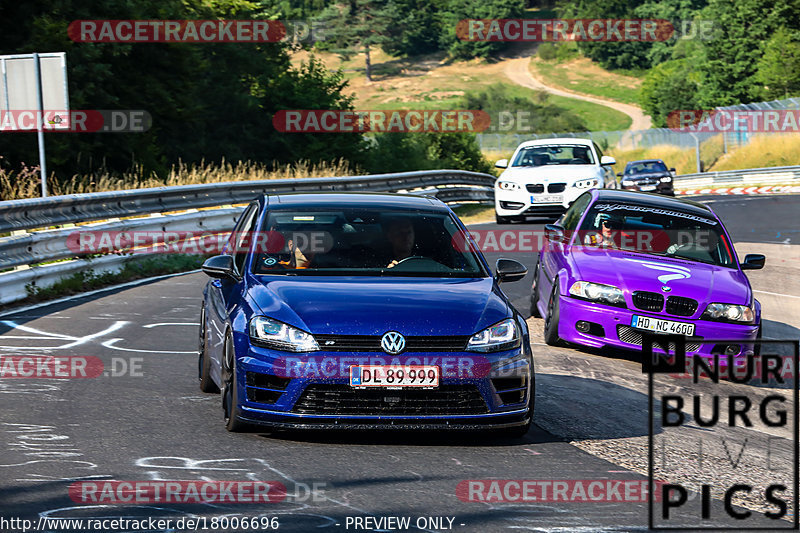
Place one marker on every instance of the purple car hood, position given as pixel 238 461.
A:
pixel 642 272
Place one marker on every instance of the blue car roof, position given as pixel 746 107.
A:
pixel 354 200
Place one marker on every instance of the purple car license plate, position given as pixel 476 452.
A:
pixel 658 325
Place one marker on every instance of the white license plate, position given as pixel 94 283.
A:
pixel 547 199
pixel 662 326
pixel 394 377
pixel 647 187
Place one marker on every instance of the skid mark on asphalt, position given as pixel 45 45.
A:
pixel 252 469
pixel 44 335
pixel 110 343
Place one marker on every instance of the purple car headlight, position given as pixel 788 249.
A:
pixel 729 313
pixel 597 292
pixel 274 334
pixel 498 337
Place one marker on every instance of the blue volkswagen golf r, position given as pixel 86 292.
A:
pixel 361 310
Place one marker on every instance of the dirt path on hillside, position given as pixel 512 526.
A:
pixel 518 72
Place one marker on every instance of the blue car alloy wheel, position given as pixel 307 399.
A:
pixel 361 311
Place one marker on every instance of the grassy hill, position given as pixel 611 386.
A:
pixel 432 82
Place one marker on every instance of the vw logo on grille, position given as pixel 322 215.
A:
pixel 392 342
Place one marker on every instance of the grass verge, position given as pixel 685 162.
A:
pixel 775 150
pixel 684 160
pixel 24 183
pixel 475 213
pixel 581 75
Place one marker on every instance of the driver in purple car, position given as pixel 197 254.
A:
pixel 604 231
pixel 400 234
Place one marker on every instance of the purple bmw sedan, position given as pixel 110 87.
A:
pixel 618 264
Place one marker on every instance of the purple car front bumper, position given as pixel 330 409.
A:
pixel 617 331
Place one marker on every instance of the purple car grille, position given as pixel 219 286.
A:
pixel 678 305
pixel 652 301
pixel 648 301
pixel 631 336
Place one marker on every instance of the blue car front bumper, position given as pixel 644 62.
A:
pixel 476 391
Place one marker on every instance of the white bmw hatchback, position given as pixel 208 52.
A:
pixel 545 176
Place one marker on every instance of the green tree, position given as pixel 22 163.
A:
pixel 207 101
pixel 744 26
pixel 779 67
pixel 360 25
pixel 455 11
pixel 670 86
pixel 419 27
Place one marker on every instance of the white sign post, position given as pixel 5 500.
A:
pixel 33 83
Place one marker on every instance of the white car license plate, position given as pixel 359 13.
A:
pixel 662 326
pixel 547 199
pixel 394 377
pixel 647 187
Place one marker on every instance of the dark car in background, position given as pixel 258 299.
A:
pixel 648 175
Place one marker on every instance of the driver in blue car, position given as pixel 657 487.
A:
pixel 400 234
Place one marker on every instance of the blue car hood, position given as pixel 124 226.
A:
pixel 373 306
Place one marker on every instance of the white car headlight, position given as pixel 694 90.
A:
pixel 508 185
pixel 729 313
pixel 279 336
pixel 501 336
pixel 628 183
pixel 586 184
pixel 666 179
pixel 597 292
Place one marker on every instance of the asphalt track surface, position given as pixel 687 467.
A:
pixel 151 422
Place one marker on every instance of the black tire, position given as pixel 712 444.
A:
pixel 204 361
pixel 230 408
pixel 551 319
pixel 535 293
pixel 501 220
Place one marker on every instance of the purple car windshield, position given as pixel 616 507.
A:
pixel 658 231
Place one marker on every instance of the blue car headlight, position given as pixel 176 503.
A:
pixel 729 313
pixel 502 336
pixel 597 292
pixel 274 334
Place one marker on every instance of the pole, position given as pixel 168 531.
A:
pixel 696 149
pixel 40 123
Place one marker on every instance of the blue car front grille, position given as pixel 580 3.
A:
pixel 372 343
pixel 331 399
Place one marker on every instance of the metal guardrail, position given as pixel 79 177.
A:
pixel 752 176
pixel 42 212
pixel 25 247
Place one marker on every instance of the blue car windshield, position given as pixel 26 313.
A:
pixel 364 241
